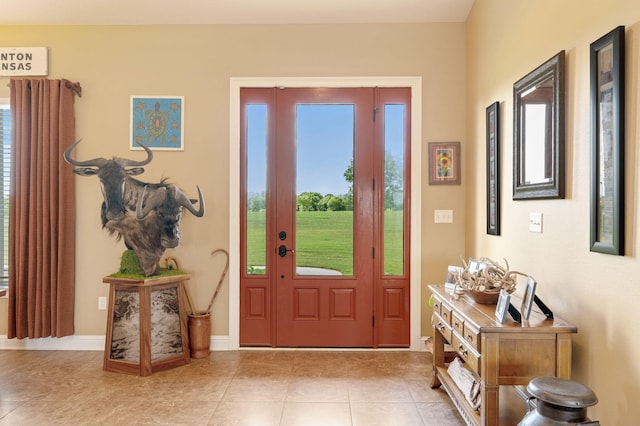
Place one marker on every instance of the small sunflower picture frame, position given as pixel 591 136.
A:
pixel 444 163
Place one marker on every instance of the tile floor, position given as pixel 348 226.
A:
pixel 249 387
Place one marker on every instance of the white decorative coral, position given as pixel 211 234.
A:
pixel 489 277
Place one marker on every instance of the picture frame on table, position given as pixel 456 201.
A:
pixel 607 63
pixel 493 168
pixel 157 122
pixel 473 266
pixel 453 272
pixel 502 307
pixel 444 163
pixel 528 298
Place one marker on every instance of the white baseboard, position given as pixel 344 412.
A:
pixel 220 343
pixel 81 343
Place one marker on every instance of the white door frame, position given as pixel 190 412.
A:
pixel 415 281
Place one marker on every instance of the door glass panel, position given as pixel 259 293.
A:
pixel 256 225
pixel 394 135
pixel 324 189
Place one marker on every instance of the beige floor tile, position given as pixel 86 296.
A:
pixel 252 387
pixel 385 414
pixel 230 413
pixel 439 414
pixel 421 392
pixel 316 414
pixel 110 412
pixel 318 389
pixel 379 390
pixel 256 389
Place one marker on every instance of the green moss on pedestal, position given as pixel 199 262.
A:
pixel 130 268
pixel 129 263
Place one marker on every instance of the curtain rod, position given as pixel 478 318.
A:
pixel 76 87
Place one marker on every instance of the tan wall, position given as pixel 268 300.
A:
pixel 599 293
pixel 502 42
pixel 113 63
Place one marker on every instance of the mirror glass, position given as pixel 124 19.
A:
pixel 539 132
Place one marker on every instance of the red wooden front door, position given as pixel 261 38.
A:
pixel 323 244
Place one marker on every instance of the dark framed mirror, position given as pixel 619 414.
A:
pixel 538 114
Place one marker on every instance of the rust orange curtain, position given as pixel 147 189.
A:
pixel 41 210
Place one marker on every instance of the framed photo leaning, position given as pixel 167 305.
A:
pixel 502 307
pixel 527 300
pixel 607 61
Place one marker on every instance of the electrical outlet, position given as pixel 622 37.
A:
pixel 443 216
pixel 102 303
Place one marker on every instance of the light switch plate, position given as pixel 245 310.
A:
pixel 535 222
pixel 443 216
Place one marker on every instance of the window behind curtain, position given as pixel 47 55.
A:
pixel 5 169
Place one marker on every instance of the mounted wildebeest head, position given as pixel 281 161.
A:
pixel 154 226
pixel 113 174
pixel 146 215
pixel 167 202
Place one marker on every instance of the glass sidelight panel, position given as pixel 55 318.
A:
pixel 324 189
pixel 256 225
pixel 394 136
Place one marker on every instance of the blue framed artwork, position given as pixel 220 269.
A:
pixel 157 122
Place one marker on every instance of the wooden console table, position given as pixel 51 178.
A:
pixel 501 354
pixel 146 325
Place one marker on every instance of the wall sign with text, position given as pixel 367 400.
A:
pixel 23 61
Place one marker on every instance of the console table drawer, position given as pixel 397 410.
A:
pixel 471 335
pixel 457 323
pixel 467 353
pixel 442 326
pixel 437 303
pixel 465 330
pixel 445 313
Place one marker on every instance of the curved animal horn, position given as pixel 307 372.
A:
pixel 96 162
pixel 186 203
pixel 156 198
pixel 130 163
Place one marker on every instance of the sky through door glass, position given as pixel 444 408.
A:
pixel 324 194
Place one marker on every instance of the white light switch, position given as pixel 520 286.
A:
pixel 443 216
pixel 535 222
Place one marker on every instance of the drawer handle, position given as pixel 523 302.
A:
pixel 440 326
pixel 469 337
pixel 456 324
pixel 462 350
